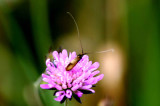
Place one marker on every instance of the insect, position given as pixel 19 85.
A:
pixel 50 56
pixel 74 61
pixel 71 65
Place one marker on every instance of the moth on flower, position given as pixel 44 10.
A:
pixel 74 83
pixel 70 76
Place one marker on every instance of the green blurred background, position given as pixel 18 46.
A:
pixel 29 27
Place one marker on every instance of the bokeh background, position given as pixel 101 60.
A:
pixel 132 28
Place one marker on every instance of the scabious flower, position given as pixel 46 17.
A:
pixel 73 83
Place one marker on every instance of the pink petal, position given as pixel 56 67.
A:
pixel 55 55
pixel 75 87
pixel 93 91
pixel 47 62
pixel 100 77
pixel 94 66
pixel 61 59
pixel 69 85
pixel 87 75
pixel 96 79
pixel 46 86
pixel 60 93
pixel 73 55
pixel 87 65
pixel 85 57
pixel 86 87
pixel 46 79
pixel 68 93
pixel 59 98
pixel 85 60
pixel 64 86
pixel 94 73
pixel 58 87
pixel 79 93
pixel 45 76
pixel 70 55
pixel 64 53
pixel 90 63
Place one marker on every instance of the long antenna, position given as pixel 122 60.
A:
pixel 110 50
pixel 77 29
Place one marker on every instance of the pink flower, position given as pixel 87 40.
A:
pixel 73 83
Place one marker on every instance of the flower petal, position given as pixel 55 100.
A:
pixel 93 91
pixel 100 77
pixel 60 93
pixel 79 93
pixel 75 87
pixel 64 53
pixel 86 87
pixel 46 86
pixel 59 98
pixel 68 93
pixel 94 66
pixel 58 87
pixel 45 76
pixel 94 73
pixel 55 55
pixel 73 55
pixel 47 62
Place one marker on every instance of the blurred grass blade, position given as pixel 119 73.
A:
pixel 145 54
pixel 16 38
pixel 40 26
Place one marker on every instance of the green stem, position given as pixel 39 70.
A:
pixel 65 103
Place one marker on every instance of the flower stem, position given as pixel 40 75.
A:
pixel 65 103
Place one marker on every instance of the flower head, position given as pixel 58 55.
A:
pixel 73 83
